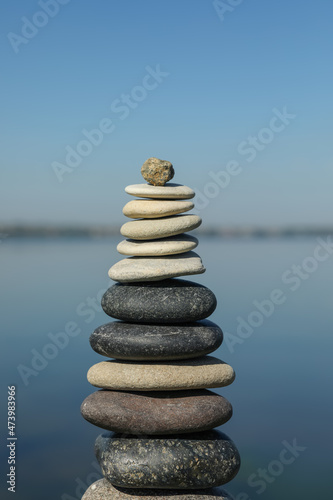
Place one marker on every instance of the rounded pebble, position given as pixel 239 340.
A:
pixel 167 246
pixel 156 268
pixel 152 413
pixel 199 373
pixel 171 191
pixel 201 460
pixel 153 209
pixel 104 490
pixel 167 302
pixel 137 342
pixel 153 229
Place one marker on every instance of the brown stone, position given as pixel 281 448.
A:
pixel 166 412
pixel 157 172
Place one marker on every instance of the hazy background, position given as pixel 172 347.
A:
pixel 225 78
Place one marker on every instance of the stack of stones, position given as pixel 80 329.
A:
pixel 154 401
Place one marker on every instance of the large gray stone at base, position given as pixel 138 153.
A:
pixel 139 342
pixel 191 461
pixel 104 490
pixel 153 413
pixel 168 302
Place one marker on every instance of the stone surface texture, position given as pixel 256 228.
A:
pixel 153 209
pixel 157 172
pixel 153 229
pixel 153 248
pixel 104 490
pixel 169 192
pixel 140 342
pixel 200 460
pixel 173 412
pixel 198 373
pixel 167 302
pixel 156 268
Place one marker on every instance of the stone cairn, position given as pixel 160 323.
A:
pixel 154 398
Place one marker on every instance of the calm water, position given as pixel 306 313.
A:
pixel 283 386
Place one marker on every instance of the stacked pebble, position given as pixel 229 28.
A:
pixel 154 396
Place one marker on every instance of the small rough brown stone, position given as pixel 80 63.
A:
pixel 157 172
pixel 104 490
pixel 165 412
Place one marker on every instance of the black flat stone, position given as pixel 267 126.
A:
pixel 190 461
pixel 142 342
pixel 168 302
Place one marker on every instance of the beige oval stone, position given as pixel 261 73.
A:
pixel 156 268
pixel 104 490
pixel 165 246
pixel 200 373
pixel 153 209
pixel 160 228
pixel 171 191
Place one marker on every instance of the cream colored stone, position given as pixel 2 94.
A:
pixel 152 209
pixel 165 246
pixel 104 490
pixel 200 373
pixel 156 268
pixel 170 191
pixel 153 229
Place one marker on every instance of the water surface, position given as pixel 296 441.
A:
pixel 281 393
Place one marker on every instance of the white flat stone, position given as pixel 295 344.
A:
pixel 152 209
pixel 152 229
pixel 165 246
pixel 200 373
pixel 170 191
pixel 156 268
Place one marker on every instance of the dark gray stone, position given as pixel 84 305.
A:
pixel 140 342
pixel 191 461
pixel 151 413
pixel 170 301
pixel 104 490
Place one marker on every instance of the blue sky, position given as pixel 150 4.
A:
pixel 221 81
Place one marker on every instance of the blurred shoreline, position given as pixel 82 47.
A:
pixel 95 231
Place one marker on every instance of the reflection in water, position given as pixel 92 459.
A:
pixel 282 364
